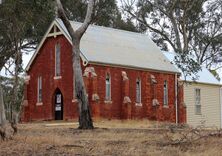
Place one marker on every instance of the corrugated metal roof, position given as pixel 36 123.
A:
pixel 118 47
pixel 203 76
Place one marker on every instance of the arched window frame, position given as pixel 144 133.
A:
pixel 39 90
pixel 108 87
pixel 165 93
pixel 57 59
pixel 138 91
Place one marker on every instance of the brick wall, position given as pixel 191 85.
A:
pixel 118 109
pixel 123 89
pixel 44 65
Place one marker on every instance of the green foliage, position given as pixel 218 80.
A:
pixel 188 65
pixel 166 18
pixel 106 13
pixel 127 24
pixel 7 85
pixel 22 25
pixel 215 74
pixel 192 28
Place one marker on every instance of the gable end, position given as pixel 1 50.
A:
pixel 54 30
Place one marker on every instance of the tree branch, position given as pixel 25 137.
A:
pixel 80 31
pixel 62 15
pixel 153 29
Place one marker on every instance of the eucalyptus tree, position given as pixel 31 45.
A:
pixel 18 34
pixel 192 28
pixel 207 39
pixel 106 13
pixel 85 120
pixel 2 116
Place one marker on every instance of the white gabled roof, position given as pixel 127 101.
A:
pixel 203 76
pixel 117 47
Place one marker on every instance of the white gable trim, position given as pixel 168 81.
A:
pixel 54 34
pixel 39 46
pixel 47 34
pixel 68 37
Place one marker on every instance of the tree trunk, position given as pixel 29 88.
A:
pixel 85 120
pixel 14 115
pixel 2 116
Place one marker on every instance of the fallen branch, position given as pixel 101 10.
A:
pixel 188 137
pixel 2 133
pixel 73 146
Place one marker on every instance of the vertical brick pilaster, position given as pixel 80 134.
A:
pixel 181 105
pixel 126 106
pixel 155 103
pixel 90 80
pixel 95 97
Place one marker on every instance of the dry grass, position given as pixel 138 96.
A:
pixel 108 138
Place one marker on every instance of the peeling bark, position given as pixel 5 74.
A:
pixel 2 116
pixel 85 120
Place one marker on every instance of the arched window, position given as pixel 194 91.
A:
pixel 39 93
pixel 165 93
pixel 108 87
pixel 138 90
pixel 57 60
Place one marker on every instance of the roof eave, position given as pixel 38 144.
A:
pixel 132 67
pixel 204 83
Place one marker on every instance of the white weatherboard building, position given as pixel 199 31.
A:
pixel 202 97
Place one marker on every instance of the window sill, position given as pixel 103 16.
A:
pixel 108 101
pixel 138 104
pixel 39 104
pixel 74 100
pixel 165 106
pixel 57 77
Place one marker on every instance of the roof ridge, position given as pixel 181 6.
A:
pixel 114 29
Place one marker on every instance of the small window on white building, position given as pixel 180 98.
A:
pixel 57 60
pixel 165 93
pixel 138 91
pixel 108 87
pixel 39 93
pixel 197 101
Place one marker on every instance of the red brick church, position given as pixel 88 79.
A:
pixel 125 74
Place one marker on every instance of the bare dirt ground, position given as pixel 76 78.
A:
pixel 108 138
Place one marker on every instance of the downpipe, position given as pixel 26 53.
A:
pixel 176 97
